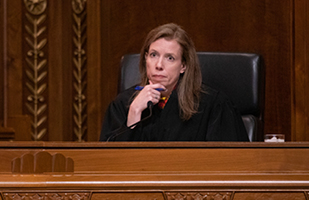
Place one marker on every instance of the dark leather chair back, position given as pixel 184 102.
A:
pixel 239 75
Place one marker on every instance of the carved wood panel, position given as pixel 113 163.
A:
pixel 211 171
pixel 127 195
pixel 199 195
pixel 80 70
pixel 35 68
pixel 39 83
pixel 46 196
pixel 42 162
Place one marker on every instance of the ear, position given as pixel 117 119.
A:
pixel 183 68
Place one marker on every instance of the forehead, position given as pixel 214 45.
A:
pixel 165 46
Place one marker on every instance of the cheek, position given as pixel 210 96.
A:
pixel 148 70
pixel 173 74
pixel 148 73
pixel 148 65
pixel 176 76
pixel 175 71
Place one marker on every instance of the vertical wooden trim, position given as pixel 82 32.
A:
pixel 5 105
pixel 1 63
pixel 292 64
pixel 79 69
pixel 60 70
pixel 35 67
pixel 94 61
pixel 300 81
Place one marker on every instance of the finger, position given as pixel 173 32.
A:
pixel 157 86
pixel 156 96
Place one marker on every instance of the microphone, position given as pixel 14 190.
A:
pixel 149 106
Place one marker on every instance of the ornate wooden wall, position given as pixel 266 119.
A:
pixel 60 58
pixel 48 74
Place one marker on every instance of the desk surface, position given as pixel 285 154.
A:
pixel 40 144
pixel 156 170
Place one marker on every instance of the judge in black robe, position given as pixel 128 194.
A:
pixel 192 112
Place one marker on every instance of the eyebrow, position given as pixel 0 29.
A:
pixel 169 54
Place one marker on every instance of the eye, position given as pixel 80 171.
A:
pixel 170 58
pixel 153 54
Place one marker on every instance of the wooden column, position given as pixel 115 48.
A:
pixel 300 73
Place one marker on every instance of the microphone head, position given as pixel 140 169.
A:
pixel 149 104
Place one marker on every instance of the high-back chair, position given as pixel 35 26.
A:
pixel 239 75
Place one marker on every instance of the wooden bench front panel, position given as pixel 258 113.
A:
pixel 218 171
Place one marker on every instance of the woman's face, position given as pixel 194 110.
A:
pixel 163 62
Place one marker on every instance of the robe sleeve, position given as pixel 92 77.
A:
pixel 114 126
pixel 225 122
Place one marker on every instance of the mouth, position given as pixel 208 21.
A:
pixel 158 76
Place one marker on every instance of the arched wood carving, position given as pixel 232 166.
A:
pixel 42 162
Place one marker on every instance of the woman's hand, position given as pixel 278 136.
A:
pixel 148 93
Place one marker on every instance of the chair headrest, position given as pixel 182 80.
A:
pixel 238 75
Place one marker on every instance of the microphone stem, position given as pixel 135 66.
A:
pixel 149 106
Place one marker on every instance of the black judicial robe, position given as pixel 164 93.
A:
pixel 216 120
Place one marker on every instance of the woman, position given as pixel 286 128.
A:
pixel 184 109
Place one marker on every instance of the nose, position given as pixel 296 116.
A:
pixel 159 64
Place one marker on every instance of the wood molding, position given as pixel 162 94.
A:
pixel 7 133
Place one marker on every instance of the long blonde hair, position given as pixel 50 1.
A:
pixel 189 85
